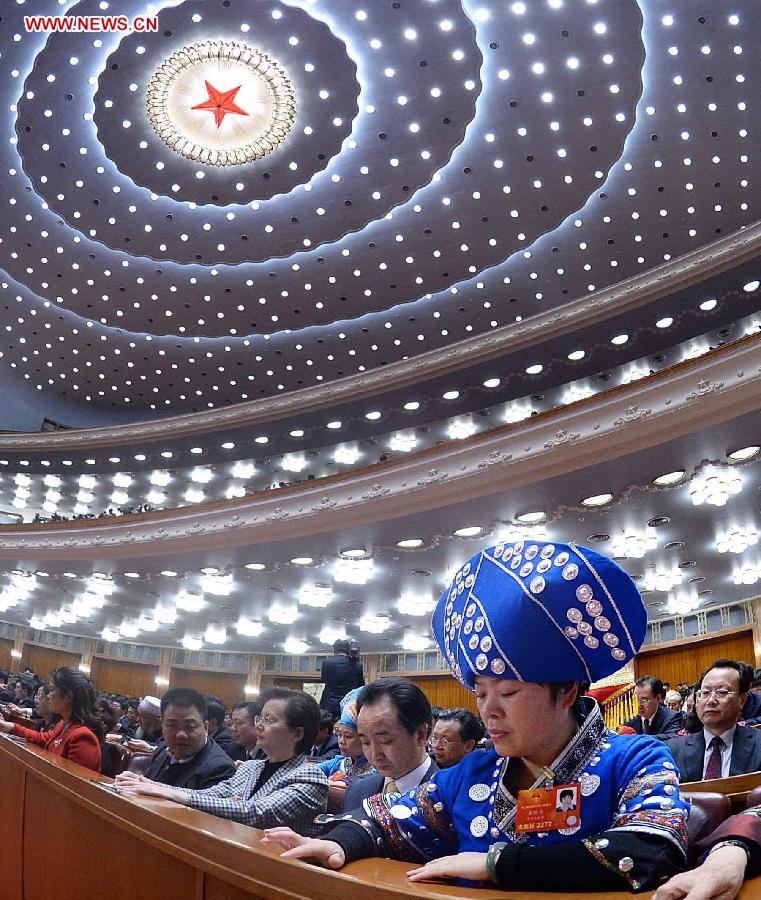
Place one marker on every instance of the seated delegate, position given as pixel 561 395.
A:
pixel 78 734
pixel 524 625
pixel 284 789
pixel 189 758
pixel 721 747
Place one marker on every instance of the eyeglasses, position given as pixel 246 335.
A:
pixel 442 742
pixel 721 693
pixel 264 720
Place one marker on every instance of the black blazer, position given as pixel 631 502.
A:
pixel 666 722
pixel 207 768
pixel 224 737
pixel 689 752
pixel 367 785
pixel 340 674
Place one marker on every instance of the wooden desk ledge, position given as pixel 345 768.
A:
pixel 65 838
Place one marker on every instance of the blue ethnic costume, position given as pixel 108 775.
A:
pixel 344 768
pixel 587 616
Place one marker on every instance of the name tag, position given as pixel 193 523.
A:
pixel 548 809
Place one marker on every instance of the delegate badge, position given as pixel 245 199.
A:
pixel 548 809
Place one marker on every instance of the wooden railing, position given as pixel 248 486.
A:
pixel 66 837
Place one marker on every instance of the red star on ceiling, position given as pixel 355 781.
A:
pixel 221 103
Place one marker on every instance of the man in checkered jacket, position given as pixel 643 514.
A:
pixel 284 789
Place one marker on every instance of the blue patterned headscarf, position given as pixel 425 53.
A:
pixel 349 708
pixel 537 611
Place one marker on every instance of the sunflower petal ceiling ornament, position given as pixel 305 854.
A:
pixel 249 96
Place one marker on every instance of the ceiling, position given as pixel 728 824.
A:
pixel 485 219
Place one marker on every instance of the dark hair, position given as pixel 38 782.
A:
pixel 107 713
pixel 253 708
pixel 436 711
pixel 744 671
pixel 341 646
pixel 301 711
pixel 756 678
pixel 471 727
pixel 654 683
pixel 215 709
pixel 558 688
pixel 691 723
pixel 184 698
pixel 326 720
pixel 565 793
pixel 412 706
pixel 79 687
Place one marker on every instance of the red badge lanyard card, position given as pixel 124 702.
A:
pixel 549 808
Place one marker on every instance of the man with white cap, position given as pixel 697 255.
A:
pixel 526 626
pixel 148 734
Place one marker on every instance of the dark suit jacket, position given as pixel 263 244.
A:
pixel 751 711
pixel 689 751
pixel 367 785
pixel 664 726
pixel 207 768
pixel 327 750
pixel 224 737
pixel 340 674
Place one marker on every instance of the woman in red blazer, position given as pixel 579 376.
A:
pixel 78 735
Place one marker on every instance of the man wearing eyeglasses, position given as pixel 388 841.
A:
pixel 722 748
pixel 455 734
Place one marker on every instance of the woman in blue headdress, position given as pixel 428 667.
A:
pixel 527 626
pixel 352 763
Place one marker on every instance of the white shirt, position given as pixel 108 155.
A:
pixel 411 779
pixel 726 751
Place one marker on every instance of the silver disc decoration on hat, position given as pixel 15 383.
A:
pixel 537 611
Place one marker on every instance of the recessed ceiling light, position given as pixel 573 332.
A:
pixel 619 339
pixel 469 531
pixel 451 395
pixel 412 405
pixel 168 573
pixel 302 560
pixel 354 553
pixel 670 478
pixel 664 322
pixel 751 286
pixel 597 500
pixel 531 518
pixel 256 567
pixel 409 543
pixel 492 382
pixel 576 355
pixel 535 369
pixel 744 453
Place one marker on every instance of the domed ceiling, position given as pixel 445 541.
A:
pixel 267 247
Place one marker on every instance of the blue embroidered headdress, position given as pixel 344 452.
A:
pixel 537 611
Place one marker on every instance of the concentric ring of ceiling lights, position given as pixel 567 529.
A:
pixel 263 99
pixel 398 206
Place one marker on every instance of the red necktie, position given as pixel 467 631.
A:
pixel 713 768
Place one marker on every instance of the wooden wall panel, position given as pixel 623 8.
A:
pixel 121 677
pixel 225 685
pixel 6 661
pixel 44 659
pixel 685 663
pixel 444 691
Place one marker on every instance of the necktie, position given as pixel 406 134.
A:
pixel 713 768
pixel 645 726
pixel 391 788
